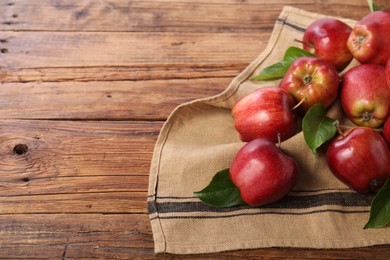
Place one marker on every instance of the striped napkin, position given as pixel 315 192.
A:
pixel 199 139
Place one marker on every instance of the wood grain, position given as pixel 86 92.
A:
pixel 120 236
pixel 91 49
pixel 73 235
pixel 75 166
pixel 55 57
pixel 85 87
pixel 56 149
pixel 122 73
pixel 125 100
pixel 161 15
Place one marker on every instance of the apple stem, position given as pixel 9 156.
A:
pixel 296 40
pixel 299 103
pixel 304 43
pixel 337 125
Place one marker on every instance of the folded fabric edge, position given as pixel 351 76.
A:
pixel 296 244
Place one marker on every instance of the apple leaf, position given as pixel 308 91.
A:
pixel 317 127
pixel 377 7
pixel 221 191
pixel 374 7
pixel 278 69
pixel 380 208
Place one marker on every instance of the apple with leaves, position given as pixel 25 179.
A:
pixel 265 113
pixel 369 41
pixel 262 172
pixel 386 130
pixel 360 158
pixel 311 80
pixel 365 95
pixel 327 39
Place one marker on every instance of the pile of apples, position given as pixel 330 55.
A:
pixel 359 156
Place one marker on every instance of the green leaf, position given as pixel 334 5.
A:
pixel 377 7
pixel 380 208
pixel 374 7
pixel 317 127
pixel 221 191
pixel 278 69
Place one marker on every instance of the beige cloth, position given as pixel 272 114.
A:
pixel 199 139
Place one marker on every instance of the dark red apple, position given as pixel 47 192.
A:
pixel 327 39
pixel 262 172
pixel 360 158
pixel 311 80
pixel 369 41
pixel 386 130
pixel 265 113
pixel 388 73
pixel 365 96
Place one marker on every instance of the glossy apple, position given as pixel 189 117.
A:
pixel 360 158
pixel 327 39
pixel 365 95
pixel 262 172
pixel 369 41
pixel 311 80
pixel 265 113
pixel 386 130
pixel 388 73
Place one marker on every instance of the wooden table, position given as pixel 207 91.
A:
pixel 86 86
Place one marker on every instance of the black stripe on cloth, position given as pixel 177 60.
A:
pixel 264 213
pixel 290 202
pixel 292 26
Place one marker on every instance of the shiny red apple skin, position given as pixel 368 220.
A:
pixel 327 39
pixel 263 173
pixel 388 73
pixel 365 95
pixel 369 41
pixel 386 130
pixel 313 80
pixel 265 113
pixel 360 159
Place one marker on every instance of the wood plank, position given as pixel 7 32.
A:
pixel 162 15
pixel 75 166
pixel 58 236
pixel 36 151
pixel 103 49
pixel 125 100
pixel 122 73
pixel 125 236
pixel 78 202
pixel 71 185
pixel 81 251
pixel 49 56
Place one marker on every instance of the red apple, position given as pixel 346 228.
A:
pixel 360 158
pixel 311 80
pixel 263 173
pixel 388 73
pixel 265 113
pixel 365 95
pixel 386 130
pixel 327 39
pixel 369 41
